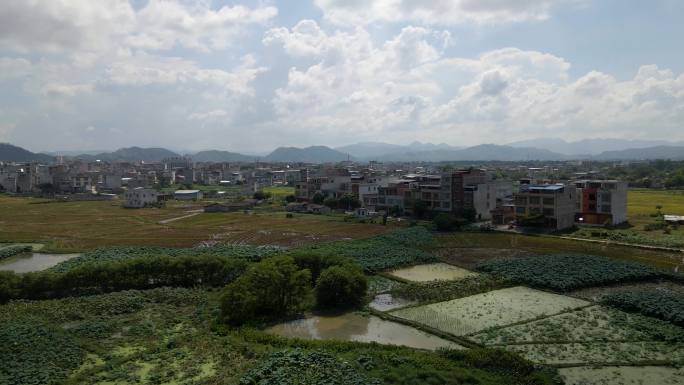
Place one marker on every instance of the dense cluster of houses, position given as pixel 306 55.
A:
pixel 397 189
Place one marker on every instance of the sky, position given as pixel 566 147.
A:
pixel 249 76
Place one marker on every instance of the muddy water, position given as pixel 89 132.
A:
pixel 387 302
pixel 355 327
pixel 432 272
pixel 25 263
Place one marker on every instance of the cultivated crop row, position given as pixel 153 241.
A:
pixel 568 272
pixel 14 250
pixel 664 305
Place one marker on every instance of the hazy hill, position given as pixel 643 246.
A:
pixel 313 154
pixel 11 153
pixel 220 156
pixel 378 150
pixel 589 146
pixel 132 154
pixel 481 152
pixel 656 152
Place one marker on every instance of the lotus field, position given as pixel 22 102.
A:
pixel 493 309
pixel 569 272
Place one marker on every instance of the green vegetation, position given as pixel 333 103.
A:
pixel 305 368
pixel 68 227
pixel 340 287
pixel 11 251
pixel 497 308
pixel 273 288
pixel 34 352
pixel 568 272
pixel 399 248
pixel 658 304
pixel 439 291
pixel 138 273
pixel 595 323
pixel 116 254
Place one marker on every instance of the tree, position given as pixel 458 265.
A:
pixel 318 198
pixel 420 209
pixel 261 195
pixel 445 222
pixel 340 287
pixel 332 203
pixel 47 188
pixel 271 288
pixel 349 202
pixel 290 198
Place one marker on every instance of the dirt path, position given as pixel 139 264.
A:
pixel 165 221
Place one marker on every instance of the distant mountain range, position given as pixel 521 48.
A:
pixel 545 149
pixel 374 150
pixel 10 153
pixel 590 147
pixel 656 152
pixel 221 156
pixel 314 154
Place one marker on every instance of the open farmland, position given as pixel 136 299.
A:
pixel 82 226
pixel 432 272
pixel 603 353
pixel 568 272
pixel 595 323
pixel 468 249
pixel 115 254
pixel 654 303
pixel 623 375
pixel 403 247
pixel 642 212
pixel 493 309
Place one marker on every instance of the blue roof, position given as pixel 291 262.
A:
pixel 545 187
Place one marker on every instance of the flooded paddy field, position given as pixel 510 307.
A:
pixel 26 263
pixel 483 311
pixel 432 272
pixel 360 328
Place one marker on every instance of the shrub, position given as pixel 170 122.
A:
pixel 400 248
pixel 261 195
pixel 341 287
pixel 290 198
pixel 568 272
pixel 139 273
pixel 445 222
pixel 653 303
pixel 269 289
pixel 11 251
pixel 316 263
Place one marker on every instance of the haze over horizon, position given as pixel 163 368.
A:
pixel 250 76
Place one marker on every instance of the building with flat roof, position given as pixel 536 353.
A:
pixel 546 205
pixel 188 195
pixel 601 202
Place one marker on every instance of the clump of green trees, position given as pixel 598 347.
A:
pixel 286 285
pixel 11 251
pixel 139 273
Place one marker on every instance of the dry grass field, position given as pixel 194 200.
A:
pixel 80 226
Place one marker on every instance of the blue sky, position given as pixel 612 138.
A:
pixel 253 75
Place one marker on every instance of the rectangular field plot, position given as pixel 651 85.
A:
pixel 432 272
pixel 602 353
pixel 483 311
pixel 623 375
pixel 595 323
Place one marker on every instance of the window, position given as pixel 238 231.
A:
pixel 534 210
pixel 520 210
pixel 534 200
pixel 549 212
pixel 548 201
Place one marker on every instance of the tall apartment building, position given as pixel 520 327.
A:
pixel 468 190
pixel 601 202
pixel 552 204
